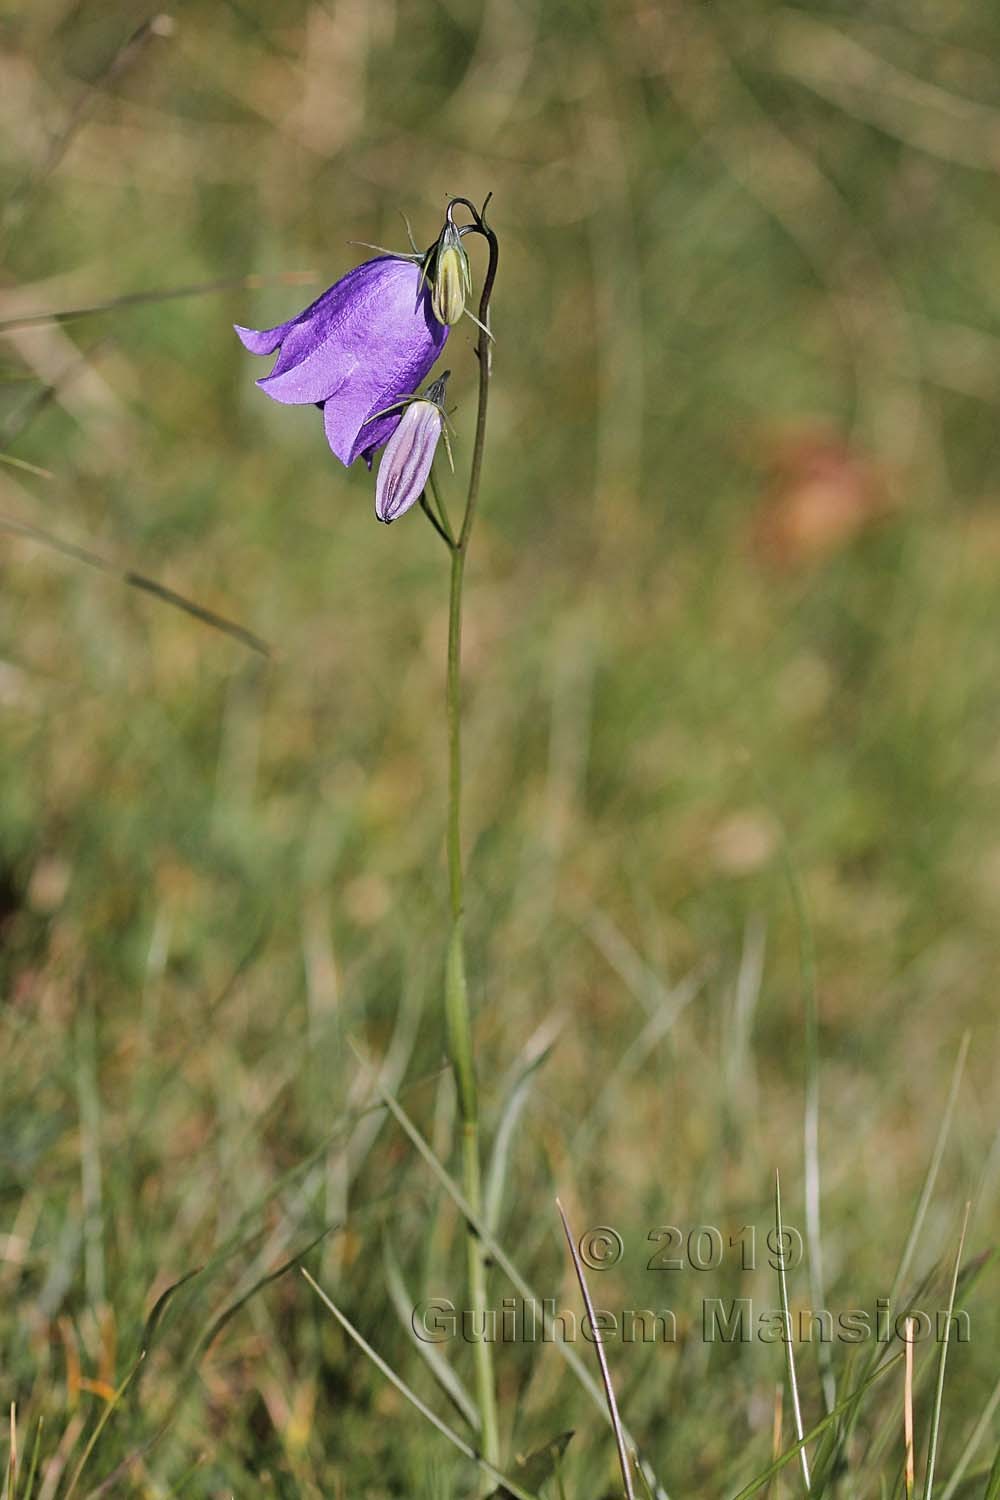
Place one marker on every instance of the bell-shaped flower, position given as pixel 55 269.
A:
pixel 355 351
pixel 405 466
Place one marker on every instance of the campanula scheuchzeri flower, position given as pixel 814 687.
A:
pixel 366 343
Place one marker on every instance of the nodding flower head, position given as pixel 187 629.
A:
pixel 405 465
pixel 450 275
pixel 371 336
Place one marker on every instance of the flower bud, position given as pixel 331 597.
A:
pixel 451 279
pixel 408 455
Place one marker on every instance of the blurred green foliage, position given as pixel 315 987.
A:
pixel 733 590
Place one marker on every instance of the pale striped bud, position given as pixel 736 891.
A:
pixel 408 455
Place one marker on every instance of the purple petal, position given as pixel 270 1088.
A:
pixel 396 366
pixel 407 460
pixel 312 379
pixel 318 315
pixel 320 321
pixel 374 435
pixel 261 340
pixel 373 315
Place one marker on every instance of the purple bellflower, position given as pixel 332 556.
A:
pixel 405 465
pixel 357 352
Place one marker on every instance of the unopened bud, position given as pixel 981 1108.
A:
pixel 451 278
pixel 406 461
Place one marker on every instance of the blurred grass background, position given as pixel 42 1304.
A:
pixel 733 592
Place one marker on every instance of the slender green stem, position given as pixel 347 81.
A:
pixel 445 536
pixel 460 1027
pixel 454 690
pixel 442 509
pixel 456 989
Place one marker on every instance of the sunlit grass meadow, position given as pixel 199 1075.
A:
pixel 732 739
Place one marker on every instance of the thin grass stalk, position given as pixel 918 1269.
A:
pixel 14 527
pixel 993 1483
pixel 602 1358
pixel 822 1426
pixel 776 1427
pixel 431 1355
pixel 840 1436
pixel 503 1140
pixel 975 1438
pixel 100 1425
pixel 55 1465
pixel 506 1485
pixel 29 1486
pixel 934 1165
pixel 793 1384
pixel 814 1237
pixel 10 1484
pixel 908 1467
pixel 932 1441
pixel 165 294
pixel 880 1438
pixel 91 1171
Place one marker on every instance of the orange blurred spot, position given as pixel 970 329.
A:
pixel 821 494
pixel 97 1388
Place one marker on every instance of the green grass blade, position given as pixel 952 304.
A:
pixel 10 1482
pixel 502 1259
pixel 228 1313
pixel 923 1202
pixel 539 1466
pixel 446 1377
pixel 404 1390
pixel 602 1359
pixel 793 1384
pixel 110 1482
pixel 810 1120
pixel 510 1114
pixel 23 464
pixel 830 1454
pixel 932 1443
pixel 103 1421
pixel 975 1437
pixel 884 1437
pixel 992 1491
pixel 29 1483
pixel 160 1306
pixel 786 1458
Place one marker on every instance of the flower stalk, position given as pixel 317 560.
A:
pixel 459 1025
